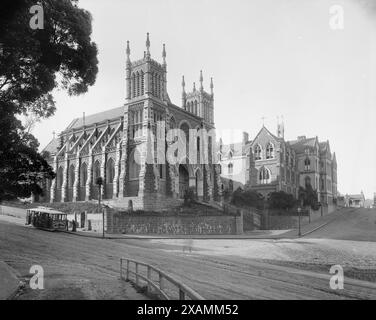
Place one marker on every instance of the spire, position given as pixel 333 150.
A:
pixel 194 86
pixel 147 45
pixel 164 54
pixel 201 81
pixel 211 86
pixel 128 51
pixel 183 95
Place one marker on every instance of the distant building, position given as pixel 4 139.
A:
pixel 269 163
pixel 355 200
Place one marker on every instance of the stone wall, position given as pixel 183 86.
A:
pixel 173 224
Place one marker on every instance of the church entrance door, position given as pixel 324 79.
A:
pixel 183 180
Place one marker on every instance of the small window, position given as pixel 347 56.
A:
pixel 230 168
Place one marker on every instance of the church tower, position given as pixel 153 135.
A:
pixel 198 101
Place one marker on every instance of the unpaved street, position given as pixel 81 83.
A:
pixel 82 267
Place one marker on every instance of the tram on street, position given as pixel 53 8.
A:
pixel 47 219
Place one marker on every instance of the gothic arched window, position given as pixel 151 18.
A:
pixel 71 176
pixel 142 83
pixel 96 170
pixel 257 152
pixel 196 107
pixel 110 171
pixel 230 168
pixel 133 85
pixel 134 166
pixel 83 175
pixel 138 83
pixel 59 177
pixel 152 83
pixel 264 176
pixel 307 164
pixel 269 151
pixel 307 181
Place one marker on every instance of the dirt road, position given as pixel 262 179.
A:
pixel 81 268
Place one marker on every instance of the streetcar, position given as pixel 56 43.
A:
pixel 46 219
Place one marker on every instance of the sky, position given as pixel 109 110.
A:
pixel 268 58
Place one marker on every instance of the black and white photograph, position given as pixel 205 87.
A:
pixel 201 150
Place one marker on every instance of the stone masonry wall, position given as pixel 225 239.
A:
pixel 174 225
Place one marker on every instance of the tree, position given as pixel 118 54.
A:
pixel 308 197
pixel 247 198
pixel 281 200
pixel 32 63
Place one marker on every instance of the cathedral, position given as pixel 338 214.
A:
pixel 119 145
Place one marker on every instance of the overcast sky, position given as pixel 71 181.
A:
pixel 267 57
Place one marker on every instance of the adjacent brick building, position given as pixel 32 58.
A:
pixel 269 163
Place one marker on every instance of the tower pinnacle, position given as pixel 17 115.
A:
pixel 147 45
pixel 211 86
pixel 164 54
pixel 128 52
pixel 201 81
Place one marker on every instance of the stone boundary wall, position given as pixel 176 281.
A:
pixel 173 225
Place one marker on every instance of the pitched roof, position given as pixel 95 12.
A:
pixel 268 132
pixel 301 144
pixel 96 117
pixel 52 146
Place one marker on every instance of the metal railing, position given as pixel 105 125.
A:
pixel 159 284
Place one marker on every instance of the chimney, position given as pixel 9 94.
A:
pixel 245 137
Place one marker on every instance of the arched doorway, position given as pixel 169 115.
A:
pixel 199 184
pixel 184 139
pixel 110 174
pixel 183 180
pixel 83 179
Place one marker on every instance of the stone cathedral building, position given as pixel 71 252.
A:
pixel 115 145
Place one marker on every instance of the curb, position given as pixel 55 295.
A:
pixel 143 237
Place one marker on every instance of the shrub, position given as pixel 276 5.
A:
pixel 281 200
pixel 247 198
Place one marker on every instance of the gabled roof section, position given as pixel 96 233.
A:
pixel 96 117
pixel 266 131
pixel 325 148
pixel 301 144
pixel 52 146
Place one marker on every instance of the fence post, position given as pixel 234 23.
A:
pixel 127 270
pixel 136 274
pixel 161 282
pixel 121 268
pixel 149 278
pixel 181 294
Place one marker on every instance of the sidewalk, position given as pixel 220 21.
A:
pixel 256 234
pixel 311 227
pixel 9 282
